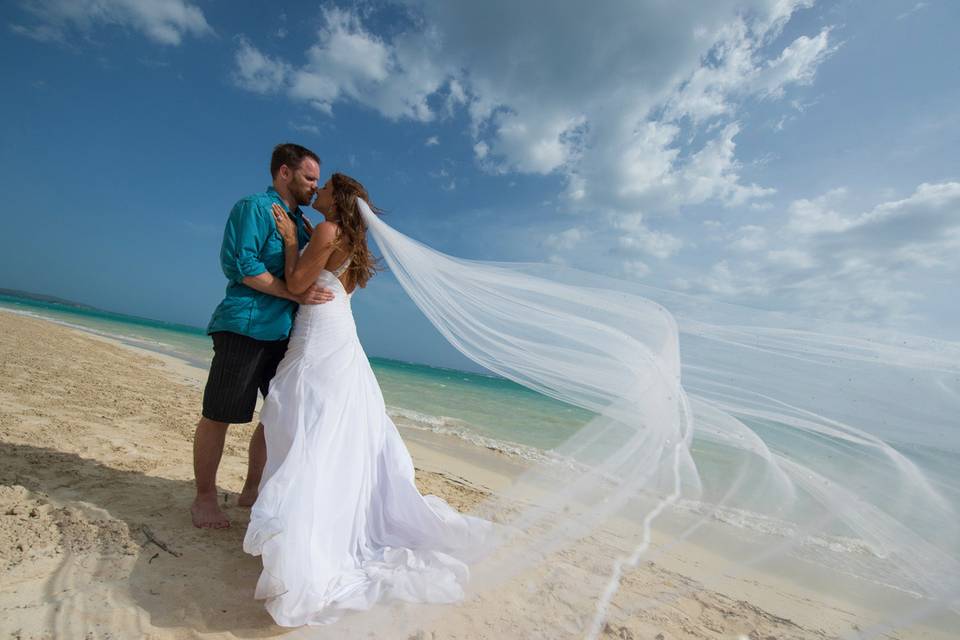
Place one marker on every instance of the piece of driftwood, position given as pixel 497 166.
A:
pixel 152 538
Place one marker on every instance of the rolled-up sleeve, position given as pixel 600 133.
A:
pixel 247 230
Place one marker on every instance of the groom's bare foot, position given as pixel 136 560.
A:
pixel 207 514
pixel 247 498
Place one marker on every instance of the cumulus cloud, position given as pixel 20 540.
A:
pixel 645 117
pixel 927 216
pixel 614 114
pixel 533 146
pixel 636 269
pixel 564 240
pixel 817 215
pixel 633 236
pixel 791 258
pixel 162 21
pixel 750 237
pixel 257 72
pixel 733 282
pixel 736 68
pixel 351 63
pixel 796 65
pixel 825 258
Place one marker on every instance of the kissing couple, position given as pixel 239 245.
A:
pixel 335 514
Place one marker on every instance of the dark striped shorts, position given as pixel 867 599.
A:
pixel 241 366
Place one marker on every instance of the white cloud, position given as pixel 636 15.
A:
pixel 613 115
pixel 925 216
pixel 456 96
pixel 650 172
pixel 712 173
pixel 345 60
pixel 817 215
pixel 723 280
pixel 432 141
pixel 750 237
pixel 257 72
pixel 634 236
pixel 163 21
pixel 792 258
pixel 738 69
pixel 565 240
pixel 636 268
pixel 305 128
pixel 533 146
pixel 350 63
pixel 796 65
pixel 866 265
pixel 917 7
pixel 650 117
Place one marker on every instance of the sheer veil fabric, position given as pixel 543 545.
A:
pixel 808 409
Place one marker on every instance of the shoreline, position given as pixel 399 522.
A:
pixel 95 436
pixel 503 466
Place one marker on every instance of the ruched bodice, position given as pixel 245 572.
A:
pixel 334 317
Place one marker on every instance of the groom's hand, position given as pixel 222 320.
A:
pixel 314 295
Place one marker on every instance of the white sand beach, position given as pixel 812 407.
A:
pixel 96 539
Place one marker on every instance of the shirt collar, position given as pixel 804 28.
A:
pixel 296 213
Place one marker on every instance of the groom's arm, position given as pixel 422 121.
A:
pixel 243 239
pixel 267 283
pixel 247 229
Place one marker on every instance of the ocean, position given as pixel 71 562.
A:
pixel 498 414
pixel 483 409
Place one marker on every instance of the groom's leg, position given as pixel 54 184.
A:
pixel 256 460
pixel 229 397
pixel 257 452
pixel 207 451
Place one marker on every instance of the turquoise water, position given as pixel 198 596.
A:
pixel 496 413
pixel 461 402
pixel 487 410
pixel 185 342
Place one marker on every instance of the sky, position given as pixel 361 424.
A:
pixel 794 155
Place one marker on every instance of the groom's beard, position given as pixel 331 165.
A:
pixel 304 197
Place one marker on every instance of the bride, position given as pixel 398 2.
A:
pixel 803 406
pixel 339 522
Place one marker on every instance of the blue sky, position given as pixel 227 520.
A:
pixel 783 154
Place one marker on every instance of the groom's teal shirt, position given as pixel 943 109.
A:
pixel 251 246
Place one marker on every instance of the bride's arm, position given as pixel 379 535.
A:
pixel 301 271
pixel 291 245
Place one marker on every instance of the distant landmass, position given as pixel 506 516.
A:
pixel 70 306
pixel 39 297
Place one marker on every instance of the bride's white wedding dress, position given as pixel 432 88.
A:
pixel 339 522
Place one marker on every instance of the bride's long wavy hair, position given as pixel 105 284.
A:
pixel 353 230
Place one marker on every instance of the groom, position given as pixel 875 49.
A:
pixel 250 327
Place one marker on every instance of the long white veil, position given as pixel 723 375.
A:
pixel 811 413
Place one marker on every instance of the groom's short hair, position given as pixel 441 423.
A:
pixel 291 155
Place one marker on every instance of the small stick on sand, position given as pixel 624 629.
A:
pixel 151 538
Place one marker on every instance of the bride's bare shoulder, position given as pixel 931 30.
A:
pixel 326 232
pixel 322 239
